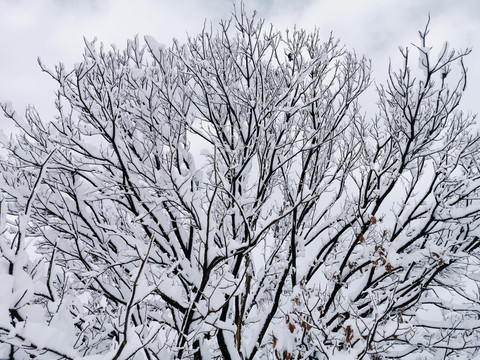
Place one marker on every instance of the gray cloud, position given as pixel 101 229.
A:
pixel 54 30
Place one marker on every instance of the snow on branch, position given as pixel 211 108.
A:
pixel 229 198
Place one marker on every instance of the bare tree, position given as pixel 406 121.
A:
pixel 227 198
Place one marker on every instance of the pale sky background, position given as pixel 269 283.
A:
pixel 53 30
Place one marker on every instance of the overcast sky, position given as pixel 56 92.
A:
pixel 54 29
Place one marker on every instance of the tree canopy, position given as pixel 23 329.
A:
pixel 228 198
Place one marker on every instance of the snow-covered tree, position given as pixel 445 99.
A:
pixel 227 198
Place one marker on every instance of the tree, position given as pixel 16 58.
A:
pixel 228 199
